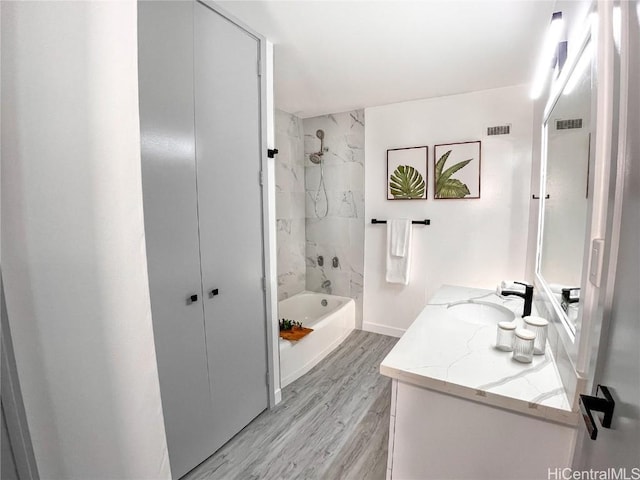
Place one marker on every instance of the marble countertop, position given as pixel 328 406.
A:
pixel 443 353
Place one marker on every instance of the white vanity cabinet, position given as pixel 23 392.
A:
pixel 439 436
pixel 202 146
pixel 461 409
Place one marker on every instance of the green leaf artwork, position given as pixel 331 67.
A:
pixel 447 187
pixel 406 182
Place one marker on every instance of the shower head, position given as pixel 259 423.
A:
pixel 317 157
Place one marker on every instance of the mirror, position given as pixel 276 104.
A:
pixel 564 189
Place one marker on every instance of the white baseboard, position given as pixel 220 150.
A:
pixel 383 329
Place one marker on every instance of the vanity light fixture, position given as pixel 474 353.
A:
pixel 549 56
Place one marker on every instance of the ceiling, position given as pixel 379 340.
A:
pixel 333 56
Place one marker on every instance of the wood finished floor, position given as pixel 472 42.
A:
pixel 332 423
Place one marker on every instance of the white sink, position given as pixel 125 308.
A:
pixel 481 313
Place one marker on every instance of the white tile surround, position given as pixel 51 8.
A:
pixel 290 216
pixel 341 233
pixel 301 235
pixel 444 354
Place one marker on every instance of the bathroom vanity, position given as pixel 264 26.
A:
pixel 462 409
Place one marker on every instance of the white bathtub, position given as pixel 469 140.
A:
pixel 331 325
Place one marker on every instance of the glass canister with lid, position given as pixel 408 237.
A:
pixel 523 345
pixel 539 326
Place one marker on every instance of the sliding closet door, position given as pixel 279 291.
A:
pixel 228 145
pixel 165 41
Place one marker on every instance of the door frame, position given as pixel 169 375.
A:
pixel 617 83
pixel 267 167
pixel 610 209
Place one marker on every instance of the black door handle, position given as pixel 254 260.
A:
pixel 604 405
pixel 193 298
pixel 214 292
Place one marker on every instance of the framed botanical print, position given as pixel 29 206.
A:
pixel 407 173
pixel 456 170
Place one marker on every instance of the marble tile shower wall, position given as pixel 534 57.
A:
pixel 290 204
pixel 341 233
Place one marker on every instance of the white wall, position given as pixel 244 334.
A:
pixel 469 242
pixel 73 247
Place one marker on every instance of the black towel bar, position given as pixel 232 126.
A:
pixel 415 222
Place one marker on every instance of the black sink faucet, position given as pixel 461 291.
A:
pixel 569 297
pixel 527 295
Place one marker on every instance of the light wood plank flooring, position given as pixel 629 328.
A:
pixel 333 423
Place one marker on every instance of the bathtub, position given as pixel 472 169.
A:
pixel 331 325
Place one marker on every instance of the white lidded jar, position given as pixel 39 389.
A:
pixel 537 325
pixel 505 336
pixel 523 345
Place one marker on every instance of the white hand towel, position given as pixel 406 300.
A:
pixel 398 250
pixel 400 230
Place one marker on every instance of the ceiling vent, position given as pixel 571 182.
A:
pixel 499 130
pixel 568 124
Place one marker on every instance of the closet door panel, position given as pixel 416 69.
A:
pixel 228 146
pixel 165 37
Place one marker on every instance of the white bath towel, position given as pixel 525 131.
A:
pixel 398 250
